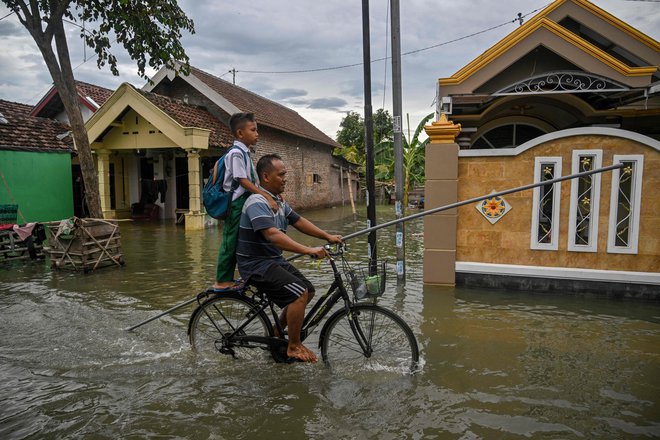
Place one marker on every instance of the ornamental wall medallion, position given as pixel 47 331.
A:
pixel 493 208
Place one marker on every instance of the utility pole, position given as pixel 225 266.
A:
pixel 398 144
pixel 233 76
pixel 369 138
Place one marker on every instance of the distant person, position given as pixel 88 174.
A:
pixel 239 167
pixel 261 240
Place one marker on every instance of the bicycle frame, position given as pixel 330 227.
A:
pixel 319 310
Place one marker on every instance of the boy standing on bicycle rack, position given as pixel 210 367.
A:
pixel 261 240
pixel 238 167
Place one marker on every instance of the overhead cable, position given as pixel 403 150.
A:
pixel 345 66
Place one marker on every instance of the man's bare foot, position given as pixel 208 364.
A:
pixel 223 284
pixel 311 354
pixel 301 352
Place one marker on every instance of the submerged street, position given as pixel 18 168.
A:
pixel 496 364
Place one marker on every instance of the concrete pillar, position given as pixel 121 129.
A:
pixel 103 169
pixel 441 188
pixel 195 216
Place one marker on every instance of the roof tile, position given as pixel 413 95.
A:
pixel 191 116
pixel 30 133
pixel 268 112
pixel 97 93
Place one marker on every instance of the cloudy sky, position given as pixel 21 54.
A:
pixel 279 36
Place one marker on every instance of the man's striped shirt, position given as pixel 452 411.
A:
pixel 254 253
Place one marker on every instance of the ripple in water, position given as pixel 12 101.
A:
pixel 496 364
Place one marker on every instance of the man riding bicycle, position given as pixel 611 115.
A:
pixel 261 240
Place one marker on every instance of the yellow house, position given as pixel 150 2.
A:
pixel 156 146
pixel 573 89
pixel 132 122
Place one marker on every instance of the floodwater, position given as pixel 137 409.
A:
pixel 496 364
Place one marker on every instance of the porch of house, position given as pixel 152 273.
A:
pixel 149 164
pixel 151 184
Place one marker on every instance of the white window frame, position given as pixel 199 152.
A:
pixel 636 200
pixel 595 201
pixel 554 235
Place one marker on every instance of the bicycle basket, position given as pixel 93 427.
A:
pixel 365 285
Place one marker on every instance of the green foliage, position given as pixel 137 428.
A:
pixel 149 30
pixel 414 150
pixel 351 132
pixel 413 159
pixel 383 126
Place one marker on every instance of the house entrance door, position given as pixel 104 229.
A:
pixel 182 195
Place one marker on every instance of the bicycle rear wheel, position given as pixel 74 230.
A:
pixel 389 343
pixel 212 323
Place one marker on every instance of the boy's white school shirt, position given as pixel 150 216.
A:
pixel 235 169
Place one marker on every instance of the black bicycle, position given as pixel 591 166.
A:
pixel 359 335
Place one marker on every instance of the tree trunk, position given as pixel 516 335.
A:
pixel 62 74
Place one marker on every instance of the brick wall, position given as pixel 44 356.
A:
pixel 312 180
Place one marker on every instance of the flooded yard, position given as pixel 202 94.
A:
pixel 496 364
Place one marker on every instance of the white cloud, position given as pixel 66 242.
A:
pixel 270 36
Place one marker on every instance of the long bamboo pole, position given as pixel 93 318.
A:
pixel 350 191
pixel 422 214
pixel 480 198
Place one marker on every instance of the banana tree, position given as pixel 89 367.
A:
pixel 413 158
pixel 352 154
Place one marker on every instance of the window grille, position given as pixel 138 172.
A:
pixel 545 211
pixel 584 204
pixel 507 136
pixel 625 201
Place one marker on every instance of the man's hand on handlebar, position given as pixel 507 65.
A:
pixel 318 252
pixel 334 239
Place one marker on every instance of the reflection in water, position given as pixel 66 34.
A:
pixel 496 364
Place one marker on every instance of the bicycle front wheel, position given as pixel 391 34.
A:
pixel 368 338
pixel 214 322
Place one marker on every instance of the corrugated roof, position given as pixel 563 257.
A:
pixel 268 112
pixel 30 133
pixel 191 116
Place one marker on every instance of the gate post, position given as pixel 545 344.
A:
pixel 441 188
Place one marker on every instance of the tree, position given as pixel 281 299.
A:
pixel 149 30
pixel 351 139
pixel 413 158
pixel 383 126
pixel 351 132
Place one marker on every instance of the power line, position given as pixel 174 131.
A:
pixel 73 69
pixel 11 13
pixel 345 66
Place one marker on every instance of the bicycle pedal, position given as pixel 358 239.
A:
pixel 227 350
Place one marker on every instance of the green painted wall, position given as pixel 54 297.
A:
pixel 40 183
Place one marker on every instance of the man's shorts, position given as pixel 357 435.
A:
pixel 282 284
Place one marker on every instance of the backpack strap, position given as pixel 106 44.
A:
pixel 235 183
pixel 215 168
pixel 248 164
